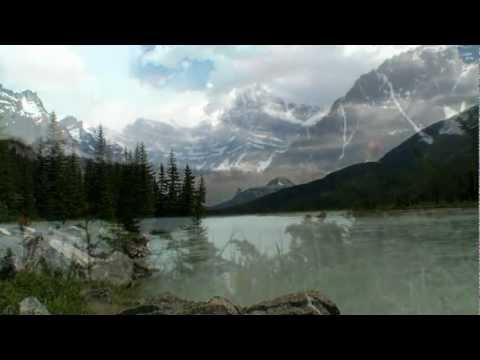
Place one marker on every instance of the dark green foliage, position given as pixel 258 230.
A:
pixel 74 189
pixel 55 200
pixel 101 198
pixel 188 192
pixel 199 199
pixel 61 294
pixel 7 266
pixel 173 185
pixel 161 194
pixel 48 184
pixel 144 182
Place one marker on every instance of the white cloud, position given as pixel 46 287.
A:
pixel 145 102
pixel 42 67
pixel 316 74
pixel 82 83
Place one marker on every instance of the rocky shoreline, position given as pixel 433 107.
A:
pixel 302 303
pixel 67 251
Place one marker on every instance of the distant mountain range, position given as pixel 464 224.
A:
pixel 264 136
pixel 25 118
pixel 244 196
pixel 258 130
pixel 439 164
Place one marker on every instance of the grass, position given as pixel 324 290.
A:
pixel 61 293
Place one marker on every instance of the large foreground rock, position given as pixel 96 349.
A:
pixel 303 303
pixel 32 306
pixel 116 269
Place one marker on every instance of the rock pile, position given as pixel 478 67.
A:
pixel 302 303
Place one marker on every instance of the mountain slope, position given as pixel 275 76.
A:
pixel 25 118
pixel 257 132
pixel 386 106
pixel 443 168
pixel 250 194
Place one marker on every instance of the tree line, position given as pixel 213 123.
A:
pixel 47 183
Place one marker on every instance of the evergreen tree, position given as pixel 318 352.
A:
pixel 100 145
pixel 145 186
pixel 187 194
pixel 54 168
pixel 26 188
pixel 7 182
pixel 75 198
pixel 41 181
pixel 126 205
pixel 199 199
pixel 161 198
pixel 100 186
pixel 173 181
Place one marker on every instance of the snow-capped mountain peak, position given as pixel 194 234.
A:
pixel 26 104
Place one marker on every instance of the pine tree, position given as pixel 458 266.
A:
pixel 161 198
pixel 126 204
pixel 26 188
pixel 199 199
pixel 100 182
pixel 172 186
pixel 187 194
pixel 75 198
pixel 145 182
pixel 7 182
pixel 100 145
pixel 54 168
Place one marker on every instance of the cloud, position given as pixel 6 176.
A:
pixel 187 74
pixel 146 102
pixel 315 75
pixel 42 67
pixel 177 84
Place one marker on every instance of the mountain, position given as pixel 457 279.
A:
pixel 23 114
pixel 439 164
pixel 25 118
pixel 244 196
pixel 386 106
pixel 255 135
pixel 252 127
pixel 257 131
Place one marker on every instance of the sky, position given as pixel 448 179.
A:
pixel 115 85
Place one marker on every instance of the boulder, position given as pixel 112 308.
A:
pixel 215 306
pixel 117 269
pixel 56 254
pixel 164 304
pixel 302 303
pixel 32 306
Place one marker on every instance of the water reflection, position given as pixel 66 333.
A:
pixel 402 262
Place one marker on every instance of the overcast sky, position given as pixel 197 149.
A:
pixel 114 85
